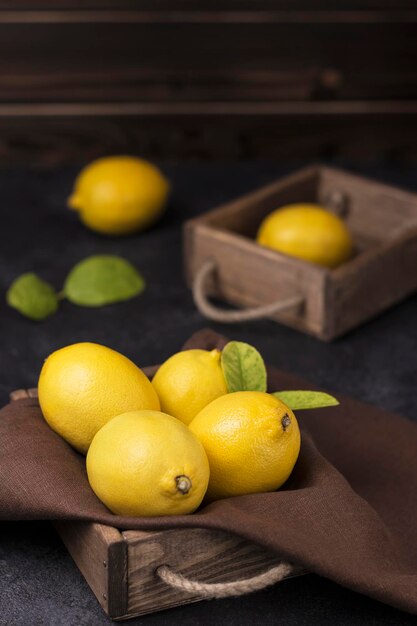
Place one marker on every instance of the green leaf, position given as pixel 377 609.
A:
pixel 297 400
pixel 243 367
pixel 32 296
pixel 102 279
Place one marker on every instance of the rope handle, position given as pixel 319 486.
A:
pixel 216 314
pixel 224 590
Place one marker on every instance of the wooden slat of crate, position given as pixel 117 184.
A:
pixel 120 567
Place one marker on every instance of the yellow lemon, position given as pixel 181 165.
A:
pixel 147 463
pixel 309 232
pixel 119 195
pixel 252 441
pixel 188 381
pixel 82 386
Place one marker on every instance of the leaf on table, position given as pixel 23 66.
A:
pixel 243 367
pixel 32 297
pixel 102 279
pixel 297 400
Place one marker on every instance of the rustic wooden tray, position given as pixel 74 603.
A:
pixel 121 567
pixel 222 258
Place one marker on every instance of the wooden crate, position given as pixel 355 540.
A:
pixel 121 566
pixel 222 258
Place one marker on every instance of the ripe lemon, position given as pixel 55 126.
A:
pixel 119 195
pixel 147 463
pixel 188 381
pixel 84 385
pixel 309 232
pixel 252 442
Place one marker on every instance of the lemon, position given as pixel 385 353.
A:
pixel 119 195
pixel 84 385
pixel 252 441
pixel 147 463
pixel 188 381
pixel 309 232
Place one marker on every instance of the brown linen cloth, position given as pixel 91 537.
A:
pixel 348 512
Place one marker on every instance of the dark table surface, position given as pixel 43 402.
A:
pixel 39 583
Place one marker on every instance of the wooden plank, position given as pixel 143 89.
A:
pixel 205 555
pixel 223 6
pixel 52 141
pixel 120 84
pixel 371 283
pixel 129 16
pixel 375 210
pixel 119 62
pixel 100 553
pixel 118 91
pixel 208 109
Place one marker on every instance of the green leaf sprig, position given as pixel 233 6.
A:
pixel 243 367
pixel 32 296
pixel 96 281
pixel 102 279
pixel 244 370
pixel 297 400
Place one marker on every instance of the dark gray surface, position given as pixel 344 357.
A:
pixel 39 584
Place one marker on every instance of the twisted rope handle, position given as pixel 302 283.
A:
pixel 224 590
pixel 216 314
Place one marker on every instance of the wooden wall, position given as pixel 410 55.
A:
pixel 207 78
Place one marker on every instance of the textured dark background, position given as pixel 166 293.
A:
pixel 208 78
pixel 39 584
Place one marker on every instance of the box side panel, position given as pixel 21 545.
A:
pixel 248 275
pixel 199 554
pixel 375 212
pixel 362 289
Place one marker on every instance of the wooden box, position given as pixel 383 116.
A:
pixel 122 567
pixel 222 259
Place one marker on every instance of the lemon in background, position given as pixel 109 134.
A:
pixel 119 195
pixel 84 385
pixel 188 381
pixel 252 441
pixel 147 463
pixel 309 232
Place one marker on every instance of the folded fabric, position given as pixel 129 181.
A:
pixel 348 511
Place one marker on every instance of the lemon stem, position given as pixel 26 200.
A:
pixel 74 202
pixel 183 484
pixel 286 421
